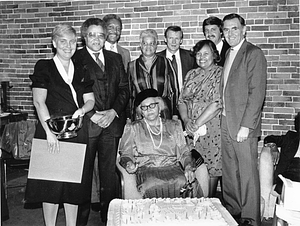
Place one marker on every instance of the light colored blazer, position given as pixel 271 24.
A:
pixel 125 55
pixel 245 90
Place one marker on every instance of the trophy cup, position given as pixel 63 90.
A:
pixel 65 127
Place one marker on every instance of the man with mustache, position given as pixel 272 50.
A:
pixel 212 30
pixel 114 31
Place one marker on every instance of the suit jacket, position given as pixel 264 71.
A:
pixel 188 61
pixel 225 47
pixel 110 88
pixel 125 55
pixel 245 90
pixel 289 145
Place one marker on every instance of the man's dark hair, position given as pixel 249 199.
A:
pixel 91 21
pixel 233 16
pixel 109 17
pixel 175 29
pixel 213 20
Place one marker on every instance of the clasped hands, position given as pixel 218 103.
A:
pixel 132 167
pixel 104 118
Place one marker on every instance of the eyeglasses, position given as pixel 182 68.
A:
pixel 95 35
pixel 151 44
pixel 146 107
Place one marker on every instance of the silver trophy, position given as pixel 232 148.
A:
pixel 65 127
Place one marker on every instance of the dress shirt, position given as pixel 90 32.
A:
pixel 169 55
pixel 227 66
pixel 101 56
pixel 220 46
pixel 111 47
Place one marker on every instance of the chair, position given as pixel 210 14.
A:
pixel 267 164
pixel 129 188
pixel 16 144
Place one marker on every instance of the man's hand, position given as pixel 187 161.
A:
pixel 243 134
pixel 104 118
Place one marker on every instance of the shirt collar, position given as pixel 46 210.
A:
pixel 169 54
pixel 91 52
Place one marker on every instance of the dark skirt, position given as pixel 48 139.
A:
pixel 160 182
pixel 292 172
pixel 39 191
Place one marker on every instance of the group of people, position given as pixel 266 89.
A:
pixel 214 92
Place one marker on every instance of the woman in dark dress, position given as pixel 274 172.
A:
pixel 59 89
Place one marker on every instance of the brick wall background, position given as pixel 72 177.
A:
pixel 273 25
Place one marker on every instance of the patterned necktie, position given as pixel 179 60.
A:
pixel 174 64
pixel 99 62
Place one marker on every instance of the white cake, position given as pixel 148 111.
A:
pixel 169 212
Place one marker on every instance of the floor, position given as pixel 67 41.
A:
pixel 19 216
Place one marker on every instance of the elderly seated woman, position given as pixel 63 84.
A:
pixel 155 150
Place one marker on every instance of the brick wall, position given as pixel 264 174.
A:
pixel 272 24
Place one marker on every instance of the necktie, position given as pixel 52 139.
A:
pixel 99 62
pixel 174 64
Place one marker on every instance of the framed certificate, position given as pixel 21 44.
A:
pixel 65 166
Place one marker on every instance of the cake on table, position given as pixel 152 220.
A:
pixel 165 212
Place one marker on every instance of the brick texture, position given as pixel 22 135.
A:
pixel 273 25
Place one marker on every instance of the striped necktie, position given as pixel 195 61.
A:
pixel 99 62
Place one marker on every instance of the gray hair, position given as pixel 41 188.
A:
pixel 61 29
pixel 148 33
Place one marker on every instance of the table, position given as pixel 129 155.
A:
pixel 114 212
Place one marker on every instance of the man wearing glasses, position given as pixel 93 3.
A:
pixel 107 119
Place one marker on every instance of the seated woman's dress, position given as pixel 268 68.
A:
pixel 160 157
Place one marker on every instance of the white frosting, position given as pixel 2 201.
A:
pixel 170 212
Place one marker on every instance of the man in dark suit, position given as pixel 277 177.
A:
pixel 108 118
pixel 114 30
pixel 242 89
pixel 180 59
pixel 212 30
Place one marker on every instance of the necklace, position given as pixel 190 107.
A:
pixel 151 131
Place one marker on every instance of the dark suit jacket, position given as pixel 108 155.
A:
pixel 125 55
pixel 289 145
pixel 188 61
pixel 245 90
pixel 110 88
pixel 225 47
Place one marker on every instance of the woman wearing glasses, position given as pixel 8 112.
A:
pixel 155 150
pixel 151 71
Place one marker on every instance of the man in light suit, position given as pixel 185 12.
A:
pixel 212 30
pixel 243 88
pixel 114 30
pixel 108 118
pixel 185 61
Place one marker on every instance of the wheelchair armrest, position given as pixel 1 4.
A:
pixel 128 183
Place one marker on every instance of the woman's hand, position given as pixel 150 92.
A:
pixel 53 145
pixel 78 112
pixel 131 167
pixel 190 126
pixel 189 173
